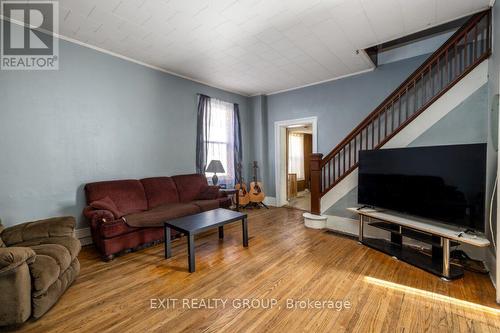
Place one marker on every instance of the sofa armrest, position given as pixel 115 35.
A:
pixel 12 257
pixel 209 193
pixel 221 194
pixel 98 215
pixel 15 285
pixel 53 227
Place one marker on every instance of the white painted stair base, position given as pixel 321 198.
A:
pixel 314 221
pixel 350 226
pixel 440 108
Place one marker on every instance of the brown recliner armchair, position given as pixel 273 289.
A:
pixel 38 262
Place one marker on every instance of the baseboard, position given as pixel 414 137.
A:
pixel 490 261
pixel 84 236
pixel 350 227
pixel 342 224
pixel 270 201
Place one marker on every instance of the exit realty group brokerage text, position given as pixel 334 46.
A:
pixel 248 303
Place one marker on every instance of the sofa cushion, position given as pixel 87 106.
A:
pixel 160 191
pixel 41 229
pixel 55 251
pixel 70 245
pixel 190 186
pixel 155 217
pixel 206 204
pixel 128 195
pixel 53 257
pixel 107 204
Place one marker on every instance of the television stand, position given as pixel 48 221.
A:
pixel 439 236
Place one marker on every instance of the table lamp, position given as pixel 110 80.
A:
pixel 215 166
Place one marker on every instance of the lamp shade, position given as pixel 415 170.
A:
pixel 215 166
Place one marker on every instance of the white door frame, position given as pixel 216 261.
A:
pixel 280 176
pixel 497 255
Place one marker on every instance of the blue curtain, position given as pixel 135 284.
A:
pixel 238 149
pixel 201 139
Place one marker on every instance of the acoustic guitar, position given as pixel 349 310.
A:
pixel 241 187
pixel 256 192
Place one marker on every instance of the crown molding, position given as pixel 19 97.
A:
pixel 320 82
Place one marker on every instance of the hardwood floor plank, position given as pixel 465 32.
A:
pixel 284 261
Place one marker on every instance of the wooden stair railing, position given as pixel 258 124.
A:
pixel 460 54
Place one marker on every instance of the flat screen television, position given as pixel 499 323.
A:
pixel 443 183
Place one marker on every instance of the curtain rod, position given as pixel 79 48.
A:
pixel 200 94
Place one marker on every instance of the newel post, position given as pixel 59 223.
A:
pixel 315 165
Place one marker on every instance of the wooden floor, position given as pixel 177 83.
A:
pixel 284 261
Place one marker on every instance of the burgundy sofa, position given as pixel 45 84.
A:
pixel 125 215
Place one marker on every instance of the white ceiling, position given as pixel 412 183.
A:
pixel 252 46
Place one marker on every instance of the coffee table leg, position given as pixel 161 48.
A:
pixel 221 232
pixel 168 242
pixel 191 253
pixel 245 232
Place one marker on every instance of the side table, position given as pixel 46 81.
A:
pixel 231 191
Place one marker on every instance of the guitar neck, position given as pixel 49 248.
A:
pixel 255 167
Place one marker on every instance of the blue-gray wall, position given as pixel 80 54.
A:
pixel 97 118
pixel 339 105
pixel 258 129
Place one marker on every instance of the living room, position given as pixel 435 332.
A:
pixel 148 165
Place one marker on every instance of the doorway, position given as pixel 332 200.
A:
pixel 295 140
pixel 298 151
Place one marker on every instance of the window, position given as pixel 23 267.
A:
pixel 220 139
pixel 296 154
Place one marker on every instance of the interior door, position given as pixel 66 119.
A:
pixel 286 163
pixel 308 146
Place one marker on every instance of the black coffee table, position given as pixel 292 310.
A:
pixel 195 224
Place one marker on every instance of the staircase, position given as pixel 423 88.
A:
pixel 456 58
